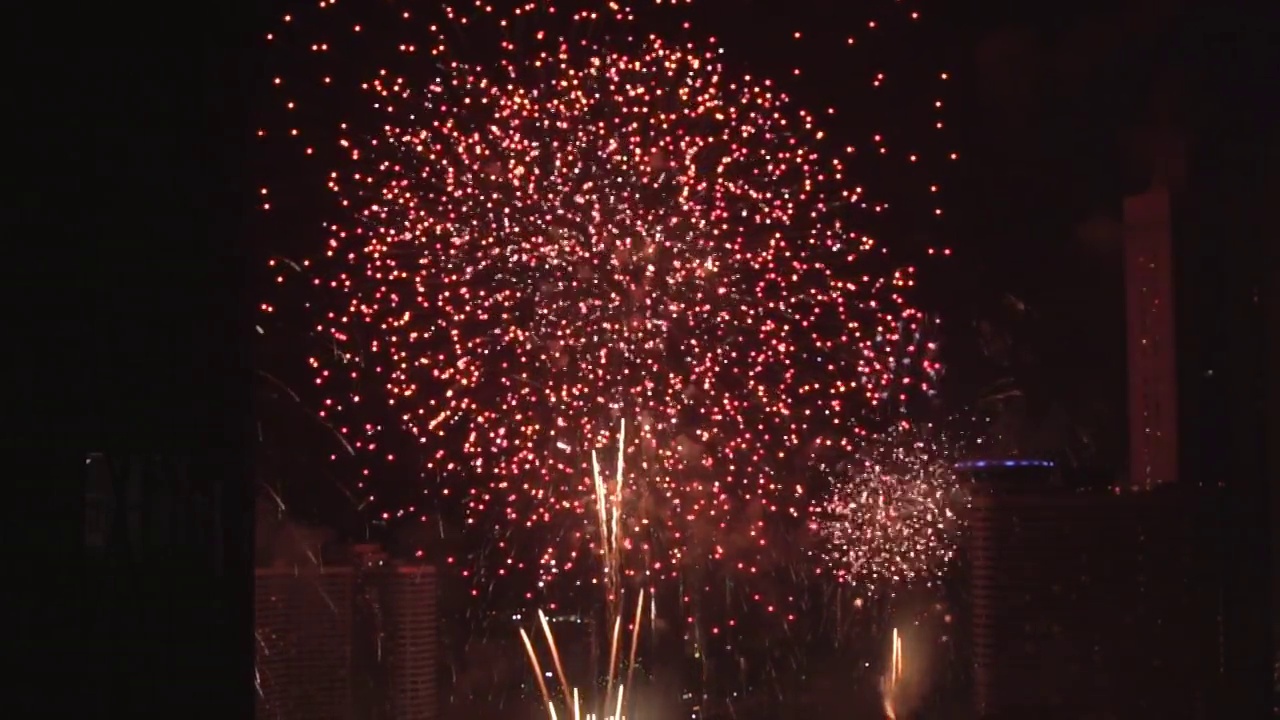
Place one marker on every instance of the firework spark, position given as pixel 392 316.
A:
pixel 613 703
pixel 892 514
pixel 892 677
pixel 587 228
pixel 609 513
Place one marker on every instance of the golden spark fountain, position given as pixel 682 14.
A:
pixel 892 677
pixel 575 706
pixel 608 496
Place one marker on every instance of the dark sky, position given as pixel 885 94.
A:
pixel 1055 107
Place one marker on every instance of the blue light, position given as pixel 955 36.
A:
pixel 985 464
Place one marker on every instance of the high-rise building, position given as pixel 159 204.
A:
pixel 396 657
pixel 347 643
pixel 302 636
pixel 1091 601
pixel 1149 271
pixel 412 648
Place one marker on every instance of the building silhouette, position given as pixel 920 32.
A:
pixel 303 641
pixel 346 643
pixel 410 642
pixel 1091 601
pixel 1149 273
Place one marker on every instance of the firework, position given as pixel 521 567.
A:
pixel 613 702
pixel 891 516
pixel 536 248
pixel 889 682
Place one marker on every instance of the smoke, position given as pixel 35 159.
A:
pixel 280 541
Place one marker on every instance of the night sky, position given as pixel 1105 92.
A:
pixel 138 229
pixel 1042 109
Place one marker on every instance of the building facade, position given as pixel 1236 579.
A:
pixel 1093 602
pixel 347 643
pixel 1153 381
pixel 303 641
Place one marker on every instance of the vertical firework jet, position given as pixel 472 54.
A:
pixel 611 544
pixel 891 678
pixel 614 702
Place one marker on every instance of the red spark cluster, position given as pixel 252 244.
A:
pixel 534 249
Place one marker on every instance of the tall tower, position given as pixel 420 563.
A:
pixel 1148 258
pixel 302 630
pixel 411 601
pixel 396 650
